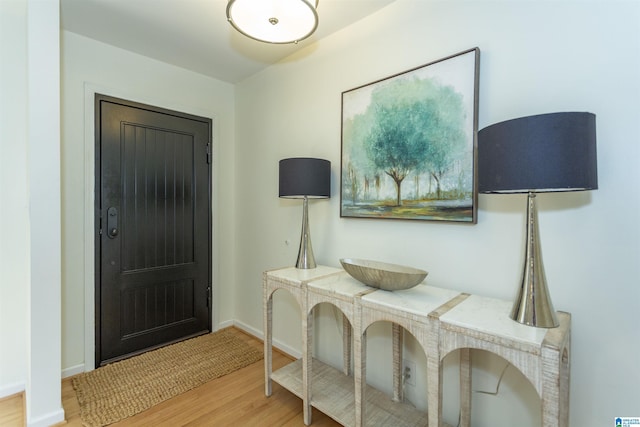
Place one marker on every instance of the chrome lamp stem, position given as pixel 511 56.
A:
pixel 305 252
pixel 533 305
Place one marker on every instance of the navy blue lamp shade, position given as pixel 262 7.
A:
pixel 303 176
pixel 547 152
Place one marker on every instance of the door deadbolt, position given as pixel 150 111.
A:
pixel 112 222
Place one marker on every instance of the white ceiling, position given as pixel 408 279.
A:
pixel 195 34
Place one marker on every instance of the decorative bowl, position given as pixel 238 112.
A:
pixel 382 275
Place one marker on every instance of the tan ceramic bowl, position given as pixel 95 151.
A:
pixel 382 275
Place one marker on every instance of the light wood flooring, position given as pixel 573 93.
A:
pixel 236 399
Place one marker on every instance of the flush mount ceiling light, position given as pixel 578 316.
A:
pixel 274 21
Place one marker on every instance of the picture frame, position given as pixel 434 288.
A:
pixel 409 144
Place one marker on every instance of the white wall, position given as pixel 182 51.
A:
pixel 14 209
pixel 30 212
pixel 536 57
pixel 89 67
pixel 43 397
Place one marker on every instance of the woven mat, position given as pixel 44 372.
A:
pixel 122 389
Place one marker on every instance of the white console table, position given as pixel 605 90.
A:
pixel 441 320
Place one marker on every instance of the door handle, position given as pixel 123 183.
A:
pixel 112 222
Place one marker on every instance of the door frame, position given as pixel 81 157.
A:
pixel 89 252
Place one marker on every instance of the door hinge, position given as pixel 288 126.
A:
pixel 208 296
pixel 208 152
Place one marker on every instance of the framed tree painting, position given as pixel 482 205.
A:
pixel 409 144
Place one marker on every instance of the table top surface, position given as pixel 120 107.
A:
pixel 299 275
pixel 341 284
pixel 491 316
pixel 419 300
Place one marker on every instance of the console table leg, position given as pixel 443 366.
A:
pixel 268 339
pixel 565 375
pixel 360 375
pixel 555 387
pixel 434 390
pixel 434 373
pixel 555 365
pixel 396 335
pixel 307 361
pixel 465 387
pixel 346 346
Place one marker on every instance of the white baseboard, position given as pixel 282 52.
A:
pixel 248 329
pixel 295 353
pixel 225 324
pixel 52 418
pixel 74 370
pixel 11 389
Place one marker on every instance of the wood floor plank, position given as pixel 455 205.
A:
pixel 11 410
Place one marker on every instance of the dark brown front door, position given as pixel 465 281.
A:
pixel 153 243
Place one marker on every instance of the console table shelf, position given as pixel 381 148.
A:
pixel 333 395
pixel 441 320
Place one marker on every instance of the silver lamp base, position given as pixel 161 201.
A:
pixel 305 252
pixel 533 305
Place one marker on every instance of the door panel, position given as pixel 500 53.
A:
pixel 154 215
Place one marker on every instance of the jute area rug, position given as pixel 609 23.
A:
pixel 122 389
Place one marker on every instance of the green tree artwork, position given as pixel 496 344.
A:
pixel 408 144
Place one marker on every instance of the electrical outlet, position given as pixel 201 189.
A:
pixel 409 372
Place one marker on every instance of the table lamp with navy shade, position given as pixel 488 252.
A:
pixel 305 178
pixel 553 152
